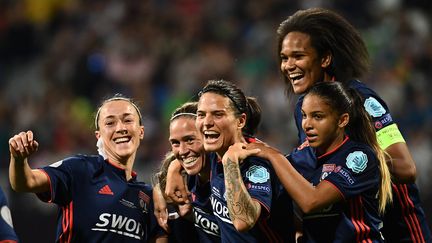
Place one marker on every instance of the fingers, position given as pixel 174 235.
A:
pixel 162 219
pixel 23 144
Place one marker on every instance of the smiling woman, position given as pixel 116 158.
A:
pixel 94 192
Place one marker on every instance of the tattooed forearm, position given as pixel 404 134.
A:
pixel 240 204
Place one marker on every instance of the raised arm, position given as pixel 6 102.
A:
pixel 308 197
pixel 243 210
pixel 176 188
pixel 22 178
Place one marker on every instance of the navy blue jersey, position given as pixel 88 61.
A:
pixel 97 204
pixel 404 220
pixel 276 220
pixel 353 169
pixel 205 221
pixel 182 230
pixel 7 232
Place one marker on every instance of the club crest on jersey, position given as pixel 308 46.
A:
pixel 373 107
pixel 144 200
pixel 357 161
pixel 257 174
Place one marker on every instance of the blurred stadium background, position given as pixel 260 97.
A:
pixel 59 58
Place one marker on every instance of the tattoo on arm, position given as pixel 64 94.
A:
pixel 240 204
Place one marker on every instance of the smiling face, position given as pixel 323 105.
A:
pixel 300 62
pixel 217 123
pixel 120 130
pixel 186 144
pixel 323 127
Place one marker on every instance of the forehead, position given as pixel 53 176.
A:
pixel 313 102
pixel 213 101
pixel 184 124
pixel 117 108
pixel 297 40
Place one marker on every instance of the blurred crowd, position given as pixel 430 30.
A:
pixel 59 58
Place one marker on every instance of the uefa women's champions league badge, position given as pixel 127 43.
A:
pixel 144 201
pixel 357 161
pixel 257 174
pixel 373 107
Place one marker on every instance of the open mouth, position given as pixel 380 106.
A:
pixel 121 140
pixel 294 77
pixel 211 136
pixel 190 160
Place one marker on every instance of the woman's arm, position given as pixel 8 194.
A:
pixel 176 188
pixel 402 165
pixel 22 178
pixel 308 197
pixel 243 210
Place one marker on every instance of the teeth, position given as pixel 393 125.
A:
pixel 210 133
pixel 121 140
pixel 295 75
pixel 189 160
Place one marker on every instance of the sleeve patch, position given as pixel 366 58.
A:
pixel 357 161
pixel 389 135
pixel 383 121
pixel 373 107
pixel 257 174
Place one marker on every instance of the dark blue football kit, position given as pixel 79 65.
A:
pixel 404 220
pixel 205 221
pixel 97 203
pixel 276 220
pixel 7 233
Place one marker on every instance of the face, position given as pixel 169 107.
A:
pixel 323 127
pixel 217 123
pixel 120 130
pixel 186 144
pixel 300 62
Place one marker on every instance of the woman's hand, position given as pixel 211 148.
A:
pixel 22 145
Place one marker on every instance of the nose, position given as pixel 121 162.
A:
pixel 208 120
pixel 121 128
pixel 183 149
pixel 306 124
pixel 288 64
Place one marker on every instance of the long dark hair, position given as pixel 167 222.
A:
pixel 359 128
pixel 329 33
pixel 238 102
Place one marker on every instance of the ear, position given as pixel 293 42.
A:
pixel 326 60
pixel 343 120
pixel 141 135
pixel 241 121
pixel 97 134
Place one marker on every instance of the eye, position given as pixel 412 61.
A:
pixel 200 115
pixel 190 141
pixel 174 143
pixel 109 123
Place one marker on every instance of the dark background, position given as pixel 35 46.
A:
pixel 59 58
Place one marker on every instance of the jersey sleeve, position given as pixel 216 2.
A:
pixel 257 177
pixel 61 175
pixel 355 172
pixel 387 131
pixel 7 233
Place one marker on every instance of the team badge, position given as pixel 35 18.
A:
pixel 373 107
pixel 144 200
pixel 357 161
pixel 257 174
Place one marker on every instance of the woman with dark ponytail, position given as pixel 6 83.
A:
pixel 339 199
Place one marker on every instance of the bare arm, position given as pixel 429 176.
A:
pixel 22 178
pixel 176 188
pixel 160 208
pixel 243 210
pixel 402 165
pixel 308 197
